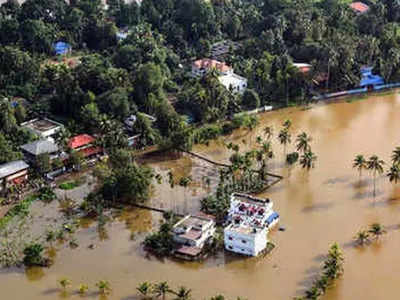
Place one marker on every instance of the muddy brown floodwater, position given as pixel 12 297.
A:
pixel 326 205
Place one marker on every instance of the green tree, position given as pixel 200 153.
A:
pixel 307 160
pixel 375 165
pixel 251 99
pixel 33 255
pixel 161 289
pixel 183 293
pixel 43 163
pixel 104 287
pixel 64 282
pixel 284 138
pixel 396 156
pixel 145 289
pixel 394 173
pixel 360 163
pixel 376 230
pixel 303 142
pixel 362 237
pixel 6 151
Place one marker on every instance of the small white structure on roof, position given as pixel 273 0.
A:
pixel 43 128
pixel 192 233
pixel 249 221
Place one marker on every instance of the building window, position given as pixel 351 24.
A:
pixel 230 247
pixel 230 238
pixel 244 241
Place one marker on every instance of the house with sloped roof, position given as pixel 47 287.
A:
pixel 13 173
pixel 32 150
pixel 359 7
pixel 85 144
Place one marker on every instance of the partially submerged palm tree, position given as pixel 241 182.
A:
pixel 303 142
pixel 394 173
pixel 396 156
pixel 360 163
pixel 269 132
pixel 375 165
pixel 284 138
pixel 376 230
pixel 144 289
pixel 161 289
pixel 362 237
pixel 183 294
pixel 104 287
pixel 307 160
pixel 64 282
pixel 287 124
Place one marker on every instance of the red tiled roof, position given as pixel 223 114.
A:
pixel 359 7
pixel 91 151
pixel 80 140
pixel 207 63
pixel 191 251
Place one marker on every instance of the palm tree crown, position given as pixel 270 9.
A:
pixel 307 160
pixel 303 142
pixel 394 173
pixel 396 156
pixel 360 163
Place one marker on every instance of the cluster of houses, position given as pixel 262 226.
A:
pixel 15 173
pixel 245 232
pixel 232 81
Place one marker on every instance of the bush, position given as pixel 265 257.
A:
pixel 33 256
pixel 161 242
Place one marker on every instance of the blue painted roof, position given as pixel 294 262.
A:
pixel 272 217
pixel 367 78
pixel 121 35
pixel 61 47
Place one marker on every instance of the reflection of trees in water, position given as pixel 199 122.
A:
pixel 34 273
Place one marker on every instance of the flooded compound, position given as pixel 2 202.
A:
pixel 327 204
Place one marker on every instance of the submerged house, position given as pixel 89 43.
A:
pixel 368 79
pixel 13 173
pixel 191 234
pixel 249 220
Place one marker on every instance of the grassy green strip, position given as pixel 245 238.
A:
pixel 20 209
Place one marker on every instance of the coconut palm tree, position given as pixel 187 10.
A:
pixel 375 165
pixel 104 287
pixel 144 289
pixel 396 156
pixel 161 289
pixel 183 294
pixel 362 237
pixel 376 230
pixel 307 160
pixel 360 163
pixel 394 173
pixel 64 282
pixel 303 142
pixel 269 132
pixel 184 182
pixel 284 138
pixel 83 288
pixel 287 124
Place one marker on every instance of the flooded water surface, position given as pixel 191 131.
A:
pixel 328 204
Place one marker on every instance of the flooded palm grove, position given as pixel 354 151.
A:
pixel 318 207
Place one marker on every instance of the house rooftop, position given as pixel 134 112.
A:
pixel 80 140
pixel 359 7
pixel 192 222
pixel 207 63
pixel 40 147
pixel 41 125
pixel 12 167
pixel 189 251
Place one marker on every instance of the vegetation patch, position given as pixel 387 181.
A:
pixel 21 209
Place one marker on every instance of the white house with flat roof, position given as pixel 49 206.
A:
pixel 249 221
pixel 192 233
pixel 43 128
pixel 233 82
